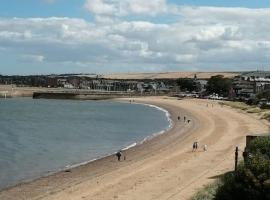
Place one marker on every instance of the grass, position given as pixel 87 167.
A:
pixel 254 110
pixel 235 104
pixel 266 116
pixel 208 192
pixel 263 113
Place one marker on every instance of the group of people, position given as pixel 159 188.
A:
pixel 195 146
pixel 211 104
pixel 185 119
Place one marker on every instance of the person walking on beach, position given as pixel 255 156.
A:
pixel 184 118
pixel 118 155
pixel 178 118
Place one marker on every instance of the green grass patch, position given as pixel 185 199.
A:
pixel 254 110
pixel 243 106
pixel 208 192
pixel 235 104
pixel 266 116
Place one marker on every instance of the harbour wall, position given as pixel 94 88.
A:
pixel 78 95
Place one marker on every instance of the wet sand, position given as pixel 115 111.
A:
pixel 161 168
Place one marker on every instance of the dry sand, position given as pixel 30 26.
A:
pixel 162 168
pixel 170 75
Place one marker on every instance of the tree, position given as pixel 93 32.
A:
pixel 186 84
pixel 219 85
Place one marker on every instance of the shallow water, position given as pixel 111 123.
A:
pixel 41 136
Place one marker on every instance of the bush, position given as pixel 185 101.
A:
pixel 252 101
pixel 249 183
pixel 260 145
pixel 252 180
pixel 265 106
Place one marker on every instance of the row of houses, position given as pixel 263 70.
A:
pixel 112 85
pixel 88 82
pixel 246 85
pixel 250 84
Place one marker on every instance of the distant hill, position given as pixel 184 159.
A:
pixel 169 75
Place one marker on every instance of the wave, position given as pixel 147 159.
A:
pixel 129 146
pixel 168 115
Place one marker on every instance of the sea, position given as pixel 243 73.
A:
pixel 40 136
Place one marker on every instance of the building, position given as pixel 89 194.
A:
pixel 249 84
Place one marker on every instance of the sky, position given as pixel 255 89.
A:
pixel 112 36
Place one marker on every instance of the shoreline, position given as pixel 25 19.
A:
pixel 101 157
pixel 124 148
pixel 160 168
pixel 145 143
pixel 153 135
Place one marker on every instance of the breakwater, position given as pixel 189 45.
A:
pixel 79 95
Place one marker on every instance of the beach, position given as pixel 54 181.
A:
pixel 161 168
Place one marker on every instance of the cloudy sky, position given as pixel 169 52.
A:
pixel 106 36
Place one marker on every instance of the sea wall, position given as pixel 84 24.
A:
pixel 77 95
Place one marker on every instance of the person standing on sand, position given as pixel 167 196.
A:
pixel 118 155
pixel 205 147
pixel 194 146
pixel 184 118
pixel 178 118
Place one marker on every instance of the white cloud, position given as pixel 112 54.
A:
pixel 203 38
pixel 126 7
pixel 101 7
pixel 142 7
pixel 185 58
pixel 31 58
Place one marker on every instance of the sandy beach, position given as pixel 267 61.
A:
pixel 162 168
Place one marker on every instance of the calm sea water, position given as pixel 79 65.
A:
pixel 41 136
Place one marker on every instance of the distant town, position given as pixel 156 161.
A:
pixel 247 86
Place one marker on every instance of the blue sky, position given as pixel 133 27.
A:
pixel 39 8
pixel 108 36
pixel 74 8
pixel 225 3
